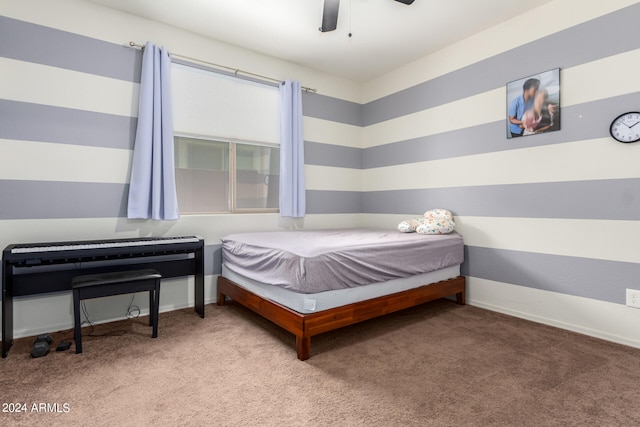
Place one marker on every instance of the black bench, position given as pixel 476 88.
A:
pixel 116 283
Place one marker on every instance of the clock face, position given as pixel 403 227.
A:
pixel 626 127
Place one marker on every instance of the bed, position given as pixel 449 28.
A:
pixel 315 281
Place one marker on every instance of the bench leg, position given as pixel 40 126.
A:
pixel 151 305
pixel 155 310
pixel 77 327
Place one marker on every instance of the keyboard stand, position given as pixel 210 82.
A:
pixel 47 272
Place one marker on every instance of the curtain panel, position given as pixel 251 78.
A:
pixel 292 191
pixel 152 190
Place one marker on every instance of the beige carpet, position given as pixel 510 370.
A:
pixel 439 364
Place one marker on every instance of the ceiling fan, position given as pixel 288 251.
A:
pixel 330 14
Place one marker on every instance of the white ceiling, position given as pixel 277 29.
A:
pixel 386 33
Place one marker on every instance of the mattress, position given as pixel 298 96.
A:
pixel 314 261
pixel 311 303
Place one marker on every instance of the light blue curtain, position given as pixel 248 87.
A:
pixel 152 191
pixel 292 192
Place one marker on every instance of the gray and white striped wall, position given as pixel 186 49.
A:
pixel 68 110
pixel 550 221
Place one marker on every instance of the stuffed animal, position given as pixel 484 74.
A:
pixel 409 225
pixel 434 221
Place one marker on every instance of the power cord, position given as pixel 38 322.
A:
pixel 133 311
pixel 87 321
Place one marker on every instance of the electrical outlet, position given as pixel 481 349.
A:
pixel 633 298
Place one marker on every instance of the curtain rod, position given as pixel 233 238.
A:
pixel 235 71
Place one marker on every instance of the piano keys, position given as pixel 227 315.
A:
pixel 39 268
pixel 100 244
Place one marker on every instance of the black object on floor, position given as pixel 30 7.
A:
pixel 39 349
pixel 44 338
pixel 64 345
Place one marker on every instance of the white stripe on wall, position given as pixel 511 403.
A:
pixel 38 314
pixel 333 179
pixel 328 132
pixel 586 83
pixel 211 227
pixel 40 161
pixel 478 109
pixel 600 158
pixel 43 84
pixel 597 239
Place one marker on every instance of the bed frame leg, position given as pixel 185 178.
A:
pixel 303 347
pixel 221 298
pixel 460 298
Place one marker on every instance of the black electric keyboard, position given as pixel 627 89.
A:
pixel 61 252
pixel 38 268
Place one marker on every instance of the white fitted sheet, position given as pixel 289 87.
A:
pixel 310 303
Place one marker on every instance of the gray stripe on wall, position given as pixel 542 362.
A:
pixel 212 259
pixel 333 109
pixel 56 199
pixel 585 43
pixel 333 202
pixel 614 199
pixel 597 279
pixel 23 199
pixel 578 123
pixel 29 42
pixel 320 154
pixel 36 122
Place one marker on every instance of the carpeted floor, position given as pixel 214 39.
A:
pixel 438 364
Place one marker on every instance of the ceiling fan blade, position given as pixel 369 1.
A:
pixel 330 15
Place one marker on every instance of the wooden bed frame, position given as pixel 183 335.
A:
pixel 304 326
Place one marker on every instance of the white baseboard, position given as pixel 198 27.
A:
pixel 599 319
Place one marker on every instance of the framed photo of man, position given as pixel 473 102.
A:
pixel 533 104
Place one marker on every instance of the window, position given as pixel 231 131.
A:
pixel 227 134
pixel 214 176
pixel 257 177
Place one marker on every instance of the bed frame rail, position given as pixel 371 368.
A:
pixel 304 326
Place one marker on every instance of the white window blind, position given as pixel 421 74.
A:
pixel 214 105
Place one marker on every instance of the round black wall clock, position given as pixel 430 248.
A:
pixel 626 127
